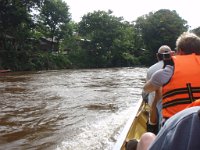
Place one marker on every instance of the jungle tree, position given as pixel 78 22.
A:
pixel 16 21
pixel 53 20
pixel 110 38
pixel 158 28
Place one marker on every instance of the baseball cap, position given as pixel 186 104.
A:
pixel 164 49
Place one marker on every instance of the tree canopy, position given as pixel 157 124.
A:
pixel 110 38
pixel 160 27
pixel 100 39
pixel 54 18
pixel 16 20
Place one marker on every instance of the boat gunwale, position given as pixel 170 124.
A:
pixel 123 135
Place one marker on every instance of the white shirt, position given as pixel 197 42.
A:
pixel 154 68
pixel 162 76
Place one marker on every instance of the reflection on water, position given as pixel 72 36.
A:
pixel 67 109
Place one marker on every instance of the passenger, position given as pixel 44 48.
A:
pixel 180 132
pixel 180 84
pixel 154 98
pixel 179 80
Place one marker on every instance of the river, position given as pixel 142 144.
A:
pixel 83 109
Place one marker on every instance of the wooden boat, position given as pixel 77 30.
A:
pixel 135 126
pixel 4 71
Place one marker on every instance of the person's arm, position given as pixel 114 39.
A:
pixel 149 87
pixel 154 83
pixel 153 110
pixel 158 79
pixel 145 96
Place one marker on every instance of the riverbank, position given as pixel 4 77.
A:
pixel 4 71
pixel 29 61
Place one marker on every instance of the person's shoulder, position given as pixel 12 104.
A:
pixel 176 120
pixel 165 73
pixel 182 114
pixel 185 122
pixel 152 69
pixel 156 66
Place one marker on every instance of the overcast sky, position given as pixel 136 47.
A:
pixel 131 9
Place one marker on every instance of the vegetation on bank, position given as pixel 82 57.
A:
pixel 40 35
pixel 27 60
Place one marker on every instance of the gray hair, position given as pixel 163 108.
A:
pixel 188 43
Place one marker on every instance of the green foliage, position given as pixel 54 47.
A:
pixel 27 60
pixel 196 31
pixel 16 21
pixel 46 61
pixel 98 40
pixel 161 27
pixel 53 20
pixel 109 38
pixel 69 40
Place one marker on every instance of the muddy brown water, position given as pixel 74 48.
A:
pixel 67 109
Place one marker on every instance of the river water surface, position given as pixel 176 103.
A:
pixel 67 109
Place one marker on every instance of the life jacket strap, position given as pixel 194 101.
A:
pixel 178 101
pixel 189 87
pixel 186 90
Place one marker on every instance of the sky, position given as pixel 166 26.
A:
pixel 131 9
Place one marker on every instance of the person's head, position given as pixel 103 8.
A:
pixel 164 49
pixel 188 43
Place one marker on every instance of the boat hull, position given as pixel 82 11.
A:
pixel 4 71
pixel 135 126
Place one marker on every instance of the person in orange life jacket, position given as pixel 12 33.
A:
pixel 180 84
pixel 153 98
pixel 179 80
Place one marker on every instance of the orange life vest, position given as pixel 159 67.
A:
pixel 184 85
pixel 195 103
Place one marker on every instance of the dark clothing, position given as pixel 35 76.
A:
pixel 180 132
